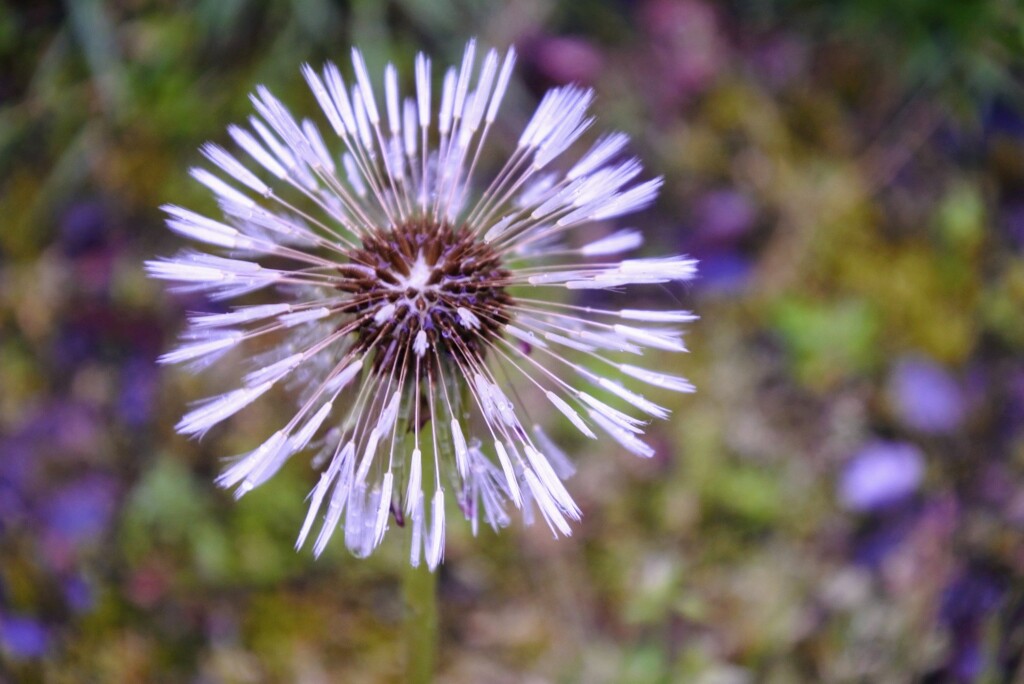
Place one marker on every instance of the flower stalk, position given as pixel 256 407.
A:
pixel 419 628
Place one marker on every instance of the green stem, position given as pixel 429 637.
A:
pixel 419 589
pixel 419 584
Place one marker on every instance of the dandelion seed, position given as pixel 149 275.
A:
pixel 418 292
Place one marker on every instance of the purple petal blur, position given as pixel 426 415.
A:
pixel 724 273
pixel 725 216
pixel 139 385
pixel 565 59
pixel 926 397
pixel 1013 224
pixel 79 512
pixel 23 638
pixel 79 594
pixel 880 474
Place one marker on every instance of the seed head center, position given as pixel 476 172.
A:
pixel 419 275
pixel 428 285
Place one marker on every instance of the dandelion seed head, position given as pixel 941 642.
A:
pixel 411 313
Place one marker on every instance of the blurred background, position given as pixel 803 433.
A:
pixel 841 501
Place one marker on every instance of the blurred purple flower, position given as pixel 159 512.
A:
pixel 780 61
pixel 79 512
pixel 1001 117
pixel 688 52
pixel 57 436
pixel 1013 224
pixel 85 238
pixel 880 474
pixel 138 391
pixel 16 470
pixel 725 216
pixel 914 526
pixel 23 638
pixel 874 545
pixel 1011 411
pixel 95 331
pixel 57 432
pixel 80 339
pixel 971 596
pixel 566 59
pixel 79 594
pixel 926 397
pixel 83 227
pixel 723 272
pixel 966 605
